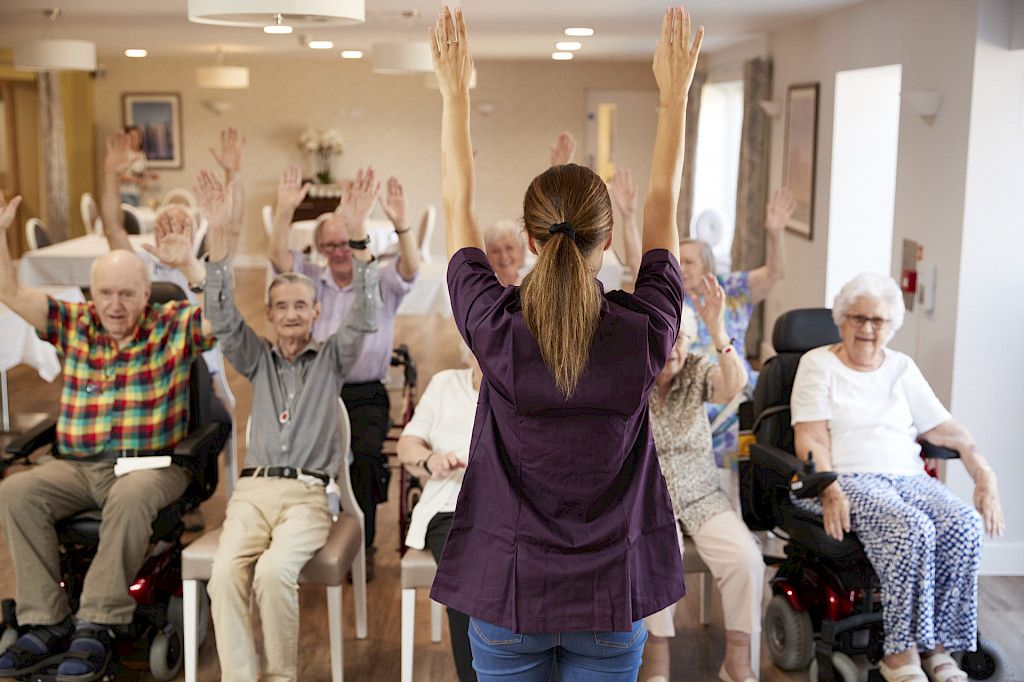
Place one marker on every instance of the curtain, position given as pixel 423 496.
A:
pixel 685 209
pixel 55 169
pixel 748 244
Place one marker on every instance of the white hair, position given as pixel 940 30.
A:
pixel 871 285
pixel 503 228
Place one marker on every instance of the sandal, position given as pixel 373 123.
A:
pixel 942 668
pixel 88 655
pixel 21 658
pixel 904 673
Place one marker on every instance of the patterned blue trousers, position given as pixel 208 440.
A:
pixel 925 545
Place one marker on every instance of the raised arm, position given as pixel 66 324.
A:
pixel 229 157
pixel 778 211
pixel 454 66
pixel 116 162
pixel 563 150
pixel 623 194
pixel 29 304
pixel 290 193
pixel 730 376
pixel 393 203
pixel 675 59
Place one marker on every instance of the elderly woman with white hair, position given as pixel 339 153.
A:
pixel 506 251
pixel 860 408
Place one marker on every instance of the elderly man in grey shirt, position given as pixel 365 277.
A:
pixel 277 517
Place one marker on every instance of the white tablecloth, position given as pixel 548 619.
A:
pixel 147 218
pixel 21 345
pixel 68 262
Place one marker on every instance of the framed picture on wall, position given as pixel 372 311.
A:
pixel 799 154
pixel 158 116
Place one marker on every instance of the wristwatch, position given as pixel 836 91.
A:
pixel 359 244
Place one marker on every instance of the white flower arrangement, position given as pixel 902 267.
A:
pixel 324 145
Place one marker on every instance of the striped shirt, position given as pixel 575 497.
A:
pixel 130 397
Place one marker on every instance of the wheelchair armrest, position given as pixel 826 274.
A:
pixel 783 463
pixel 198 441
pixel 43 433
pixel 933 451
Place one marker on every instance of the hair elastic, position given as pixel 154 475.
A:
pixel 564 228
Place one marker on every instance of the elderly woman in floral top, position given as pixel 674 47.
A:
pixel 744 289
pixel 682 435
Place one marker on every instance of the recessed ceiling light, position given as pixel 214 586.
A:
pixel 135 52
pixel 568 45
pixel 277 29
pixel 321 44
pixel 351 54
pixel 579 31
pixel 561 56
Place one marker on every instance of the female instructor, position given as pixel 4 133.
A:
pixel 563 537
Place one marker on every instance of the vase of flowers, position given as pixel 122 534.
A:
pixel 324 145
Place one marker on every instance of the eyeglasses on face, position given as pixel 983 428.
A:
pixel 332 246
pixel 861 320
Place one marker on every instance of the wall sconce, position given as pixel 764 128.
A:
pixel 924 103
pixel 770 108
pixel 217 106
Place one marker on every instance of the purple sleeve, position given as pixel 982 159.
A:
pixel 473 290
pixel 659 287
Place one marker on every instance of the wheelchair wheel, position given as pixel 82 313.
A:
pixel 846 669
pixel 789 634
pixel 987 663
pixel 176 615
pixel 166 655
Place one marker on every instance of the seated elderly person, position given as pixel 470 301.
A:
pixel 277 517
pixel 860 408
pixel 435 446
pixel 506 250
pixel 364 392
pixel 682 436
pixel 126 368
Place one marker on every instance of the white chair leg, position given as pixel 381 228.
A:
pixel 359 591
pixel 334 628
pixel 408 632
pixel 435 621
pixel 705 598
pixel 190 614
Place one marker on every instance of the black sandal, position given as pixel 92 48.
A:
pixel 94 638
pixel 27 661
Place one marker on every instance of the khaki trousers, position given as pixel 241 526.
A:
pixel 273 526
pixel 31 502
pixel 725 544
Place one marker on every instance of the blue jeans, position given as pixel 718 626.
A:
pixel 500 654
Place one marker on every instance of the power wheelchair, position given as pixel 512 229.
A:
pixel 157 589
pixel 826 603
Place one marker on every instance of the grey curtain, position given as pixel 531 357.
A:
pixel 685 209
pixel 55 169
pixel 748 244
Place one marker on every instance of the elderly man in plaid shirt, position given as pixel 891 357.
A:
pixel 126 368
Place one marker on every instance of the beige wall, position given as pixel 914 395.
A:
pixel 392 122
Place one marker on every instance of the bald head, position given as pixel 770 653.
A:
pixel 120 265
pixel 119 281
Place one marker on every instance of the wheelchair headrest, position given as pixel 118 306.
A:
pixel 165 292
pixel 798 331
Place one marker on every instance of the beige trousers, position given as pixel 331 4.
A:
pixel 31 502
pixel 273 526
pixel 725 544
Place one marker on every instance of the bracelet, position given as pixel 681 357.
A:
pixel 198 287
pixel 401 232
pixel 727 348
pixel 359 244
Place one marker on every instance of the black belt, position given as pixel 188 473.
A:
pixel 284 472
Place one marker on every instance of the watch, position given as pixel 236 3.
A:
pixel 359 244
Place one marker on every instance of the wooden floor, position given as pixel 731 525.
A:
pixel 696 651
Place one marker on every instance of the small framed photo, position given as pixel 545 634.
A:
pixel 800 154
pixel 158 116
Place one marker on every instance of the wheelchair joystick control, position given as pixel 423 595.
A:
pixel 807 482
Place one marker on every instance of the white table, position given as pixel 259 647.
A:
pixel 429 294
pixel 147 218
pixel 68 262
pixel 20 345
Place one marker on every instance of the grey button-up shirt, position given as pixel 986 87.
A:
pixel 306 388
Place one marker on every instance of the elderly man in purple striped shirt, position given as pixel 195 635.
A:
pixel 364 393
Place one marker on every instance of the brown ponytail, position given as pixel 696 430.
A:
pixel 560 298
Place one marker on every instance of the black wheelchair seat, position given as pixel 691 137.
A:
pixel 84 528
pixel 805 528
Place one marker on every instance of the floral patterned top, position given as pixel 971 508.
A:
pixel 682 435
pixel 738 310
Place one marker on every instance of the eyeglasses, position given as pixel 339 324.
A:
pixel 332 246
pixel 861 320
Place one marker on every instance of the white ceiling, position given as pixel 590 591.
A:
pixel 624 28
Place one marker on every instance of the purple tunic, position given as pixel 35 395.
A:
pixel 564 522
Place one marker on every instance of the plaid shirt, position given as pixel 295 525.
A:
pixel 132 397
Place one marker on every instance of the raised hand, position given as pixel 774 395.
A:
pixel 710 305
pixel 443 464
pixel 779 210
pixel 229 156
pixel 358 201
pixel 290 190
pixel 119 155
pixel 675 58
pixel 172 236
pixel 623 191
pixel 453 62
pixel 563 150
pixel 214 199
pixel 393 203
pixel 8 209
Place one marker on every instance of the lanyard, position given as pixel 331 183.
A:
pixel 286 415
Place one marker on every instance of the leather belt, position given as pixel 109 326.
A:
pixel 284 472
